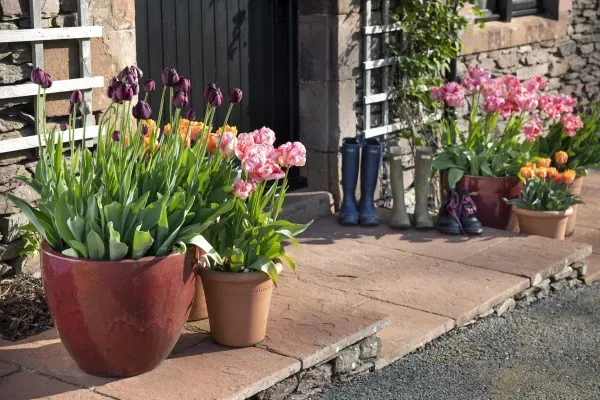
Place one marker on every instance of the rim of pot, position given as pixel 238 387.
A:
pixel 562 213
pixel 47 248
pixel 250 276
pixel 491 177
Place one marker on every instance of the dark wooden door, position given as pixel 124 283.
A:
pixel 250 44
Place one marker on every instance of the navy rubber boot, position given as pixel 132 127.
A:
pixel 350 161
pixel 369 173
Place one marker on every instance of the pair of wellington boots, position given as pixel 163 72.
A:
pixel 368 155
pixel 423 160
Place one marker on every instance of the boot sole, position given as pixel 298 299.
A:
pixel 449 231
pixel 348 221
pixel 474 231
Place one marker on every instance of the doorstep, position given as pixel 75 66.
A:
pixel 353 284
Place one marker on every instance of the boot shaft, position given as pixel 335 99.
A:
pixel 370 163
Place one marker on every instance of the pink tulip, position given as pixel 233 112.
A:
pixel 264 136
pixel 243 189
pixel 436 94
pixel 228 143
pixel 289 155
pixel 571 123
pixel 493 104
pixel 533 129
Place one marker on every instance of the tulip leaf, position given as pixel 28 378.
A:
pixel 37 219
pixel 70 252
pixel 95 245
pixel 203 244
pixel 116 249
pixel 266 265
pixel 79 247
pixel 142 241
pixel 152 213
pixel 35 185
pixel 289 262
pixel 77 227
pixel 62 212
pixel 113 213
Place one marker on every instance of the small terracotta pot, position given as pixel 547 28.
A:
pixel 118 318
pixel 551 224
pixel 492 211
pixel 199 310
pixel 238 306
pixel 574 188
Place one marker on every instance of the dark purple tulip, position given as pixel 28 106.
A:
pixel 184 84
pixel 216 98
pixel 138 72
pixel 136 88
pixel 593 96
pixel 142 110
pixel 585 89
pixel 144 130
pixel 113 84
pixel 125 92
pixel 76 97
pixel 169 77
pixel 180 99
pixel 581 108
pixel 211 87
pixel 191 115
pixel 115 96
pixel 588 111
pixel 149 86
pixel 129 79
pixel 575 112
pixel 235 96
pixel 41 77
pixel 116 136
pixel 64 126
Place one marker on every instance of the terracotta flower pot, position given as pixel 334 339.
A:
pixel 238 306
pixel 118 318
pixel 574 188
pixel 199 310
pixel 492 211
pixel 551 224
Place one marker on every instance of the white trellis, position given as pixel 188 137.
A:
pixel 37 36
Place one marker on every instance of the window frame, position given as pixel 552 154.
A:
pixel 505 10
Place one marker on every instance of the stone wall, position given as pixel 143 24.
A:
pixel 568 62
pixel 111 52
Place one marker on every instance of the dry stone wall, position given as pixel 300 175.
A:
pixel 110 53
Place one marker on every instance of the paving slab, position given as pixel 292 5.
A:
pixel 26 385
pixel 207 371
pixel 313 324
pixel 45 353
pixel 533 257
pixel 587 235
pixel 409 329
pixel 593 273
pixel 440 287
pixel 588 213
pixel 6 369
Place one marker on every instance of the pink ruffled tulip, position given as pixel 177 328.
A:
pixel 290 155
pixel 264 136
pixel 243 189
pixel 533 129
pixel 571 123
pixel 493 104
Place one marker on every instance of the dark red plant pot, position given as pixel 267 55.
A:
pixel 118 318
pixel 492 211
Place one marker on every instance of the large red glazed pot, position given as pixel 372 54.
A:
pixel 118 318
pixel 492 211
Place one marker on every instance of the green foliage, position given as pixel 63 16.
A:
pixel 484 150
pixel 583 148
pixel 128 199
pixel 540 194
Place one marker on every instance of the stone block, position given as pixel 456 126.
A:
pixel 509 60
pixel 68 5
pixel 28 385
pixel 565 273
pixel 10 226
pixel 586 48
pixel 9 251
pixel 370 347
pixel 29 265
pixel 347 360
pixel 567 49
pixel 5 269
pixel 535 57
pixel 280 390
pixel 50 7
pixel 530 72
pixel 14 8
pixel 577 63
pixel 347 44
pixel 317 377
pixel 558 67
pixel 65 20
pixel 21 53
pixel 10 123
pixel 315 47
pixel 13 73
pixel 508 305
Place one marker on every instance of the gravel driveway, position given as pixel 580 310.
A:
pixel 548 350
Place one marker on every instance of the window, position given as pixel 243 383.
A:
pixel 505 10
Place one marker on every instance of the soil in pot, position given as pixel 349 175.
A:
pixel 574 188
pixel 238 306
pixel 551 224
pixel 118 318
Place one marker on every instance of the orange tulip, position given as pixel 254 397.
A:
pixel 212 143
pixel 541 172
pixel 167 129
pixel 527 172
pixel 529 164
pixel 544 163
pixel 569 176
pixel 231 129
pixel 561 157
pixel 552 172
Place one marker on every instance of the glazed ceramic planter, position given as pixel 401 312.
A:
pixel 492 211
pixel 574 188
pixel 118 318
pixel 238 306
pixel 551 224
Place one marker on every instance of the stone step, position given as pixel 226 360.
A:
pixel 304 205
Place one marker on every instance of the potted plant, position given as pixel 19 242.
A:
pixel 116 224
pixel 579 137
pixel 247 243
pixel 545 203
pixel 504 124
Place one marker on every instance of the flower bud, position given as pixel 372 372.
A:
pixel 112 86
pixel 581 108
pixel 593 96
pixel 76 97
pixel 115 96
pixel 41 77
pixel 561 157
pixel 211 87
pixel 137 71
pixel 191 115
pixel 235 96
pixel 149 86
pixel 169 77
pixel 585 89
pixel 116 136
pixel 64 126
pixel 216 98
pixel 141 110
pixel 136 88
pixel 125 92
pixel 588 111
pixel 184 84
pixel 180 99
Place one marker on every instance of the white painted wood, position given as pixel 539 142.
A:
pixel 383 62
pixel 397 126
pixel 43 34
pixel 378 29
pixel 35 22
pixel 368 17
pixel 378 98
pixel 31 142
pixel 31 89
pixel 385 110
pixel 85 57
